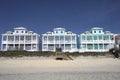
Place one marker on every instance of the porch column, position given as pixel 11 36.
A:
pixel 47 42
pixel 93 42
pixel 31 41
pixel 24 41
pixel 71 41
pixel 64 43
pixel 19 43
pixel 14 43
pixel 54 42
pixel 7 43
pixel 2 43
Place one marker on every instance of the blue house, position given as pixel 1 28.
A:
pixel 96 40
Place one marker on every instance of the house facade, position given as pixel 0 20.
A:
pixel 59 38
pixel 20 39
pixel 117 41
pixel 96 40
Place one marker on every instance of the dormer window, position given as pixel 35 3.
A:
pixel 99 31
pixel 21 31
pixel 94 31
pixel 56 31
pixel 16 31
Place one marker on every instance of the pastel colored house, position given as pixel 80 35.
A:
pixel 96 40
pixel 59 38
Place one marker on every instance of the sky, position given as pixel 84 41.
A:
pixel 77 16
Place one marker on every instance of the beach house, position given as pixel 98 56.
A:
pixel 20 39
pixel 59 38
pixel 96 40
pixel 117 41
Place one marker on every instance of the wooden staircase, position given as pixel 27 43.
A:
pixel 62 56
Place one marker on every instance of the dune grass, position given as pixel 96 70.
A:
pixel 48 54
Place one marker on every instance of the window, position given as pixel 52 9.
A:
pixel 56 38
pixel 100 37
pixel 84 46
pixel 73 38
pixel 4 38
pixel 45 38
pixel 16 31
pixel 95 46
pixel 34 46
pixel 111 37
pixel 16 38
pixel 21 38
pixel 94 31
pixel 101 46
pixel 90 46
pixel 34 38
pixel 105 46
pixel 106 37
pixel 21 31
pixel 50 38
pixel 61 38
pixel 67 38
pixel 56 32
pixel 83 37
pixel 28 38
pixel 68 46
pixel 95 37
pixel 10 38
pixel 99 31
pixel 74 46
pixel 89 37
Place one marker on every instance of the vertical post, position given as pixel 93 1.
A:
pixel 59 41
pixel 71 41
pixel 98 43
pixel 43 42
pixel 86 41
pixel 7 44
pixel 64 42
pixel 36 41
pixel 2 43
pixel 93 42
pixel 14 42
pixel 47 42
pixel 31 41
pixel 54 42
pixel 19 43
pixel 109 38
pixel 80 43
pixel 24 41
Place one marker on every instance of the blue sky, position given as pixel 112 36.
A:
pixel 77 16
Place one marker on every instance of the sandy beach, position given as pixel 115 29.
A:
pixel 36 68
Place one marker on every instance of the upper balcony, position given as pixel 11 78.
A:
pixel 97 41
pixel 59 42
pixel 20 42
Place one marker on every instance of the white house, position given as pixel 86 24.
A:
pixel 20 39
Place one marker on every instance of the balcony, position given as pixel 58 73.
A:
pixel 59 42
pixel 97 41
